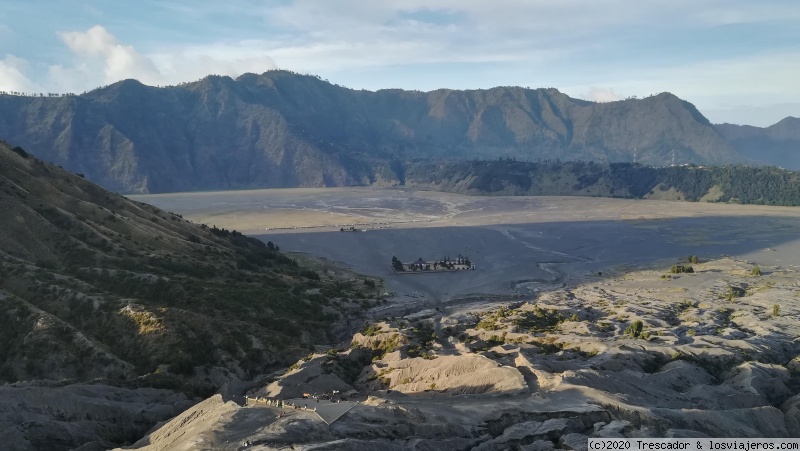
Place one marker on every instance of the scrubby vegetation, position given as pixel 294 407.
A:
pixel 680 269
pixel 120 289
pixel 423 337
pixel 634 330
pixel 539 320
pixel 734 292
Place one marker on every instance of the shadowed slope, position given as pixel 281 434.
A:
pixel 95 285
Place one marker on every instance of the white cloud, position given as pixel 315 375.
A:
pixel 76 78
pixel 97 47
pixel 348 34
pixel 597 94
pixel 232 59
pixel 12 75
pixel 98 58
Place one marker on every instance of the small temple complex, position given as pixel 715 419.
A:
pixel 444 264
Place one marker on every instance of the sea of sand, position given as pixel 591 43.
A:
pixel 519 245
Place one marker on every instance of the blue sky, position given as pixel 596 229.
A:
pixel 738 61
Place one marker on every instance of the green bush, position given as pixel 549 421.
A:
pixel 604 327
pixel 680 269
pixel 734 292
pixel 539 320
pixel 634 329
pixel 371 330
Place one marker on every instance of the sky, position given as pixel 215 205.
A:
pixel 738 61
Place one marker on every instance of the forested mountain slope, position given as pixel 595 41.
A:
pixel 280 129
pixel 742 184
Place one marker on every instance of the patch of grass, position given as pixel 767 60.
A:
pixel 390 344
pixel 605 327
pixel 574 318
pixel 490 321
pixel 550 345
pixel 734 292
pixel 370 330
pixel 496 340
pixel 539 320
pixel 680 269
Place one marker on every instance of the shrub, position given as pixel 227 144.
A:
pixel 574 317
pixel 679 269
pixel 634 329
pixel 756 271
pixel 734 292
pixel 604 327
pixel 776 310
pixel 371 330
pixel 487 324
pixel 539 320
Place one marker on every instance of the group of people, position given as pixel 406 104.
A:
pixel 334 396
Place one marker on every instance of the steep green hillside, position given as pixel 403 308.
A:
pixel 281 129
pixel 94 285
pixel 742 184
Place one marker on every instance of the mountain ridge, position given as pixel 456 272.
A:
pixel 281 129
pixel 777 145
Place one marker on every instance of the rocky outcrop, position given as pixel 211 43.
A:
pixel 38 416
pixel 454 375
